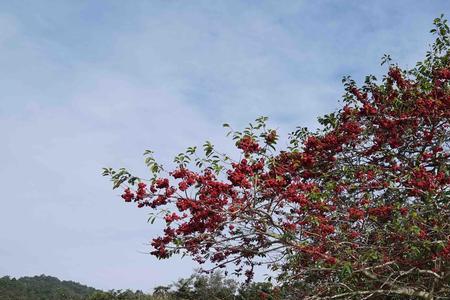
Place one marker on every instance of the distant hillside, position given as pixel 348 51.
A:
pixel 42 288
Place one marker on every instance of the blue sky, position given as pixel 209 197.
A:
pixel 88 84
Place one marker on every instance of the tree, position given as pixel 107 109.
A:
pixel 358 208
pixel 161 292
pixel 42 287
pixel 121 295
pixel 201 287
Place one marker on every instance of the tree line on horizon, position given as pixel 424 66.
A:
pixel 199 286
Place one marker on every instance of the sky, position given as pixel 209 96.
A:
pixel 92 84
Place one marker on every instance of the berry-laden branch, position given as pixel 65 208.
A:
pixel 359 208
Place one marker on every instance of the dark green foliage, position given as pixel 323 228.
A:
pixel 120 295
pixel 42 288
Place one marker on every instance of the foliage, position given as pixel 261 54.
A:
pixel 359 208
pixel 202 287
pixel 216 286
pixel 197 287
pixel 42 288
pixel 120 295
